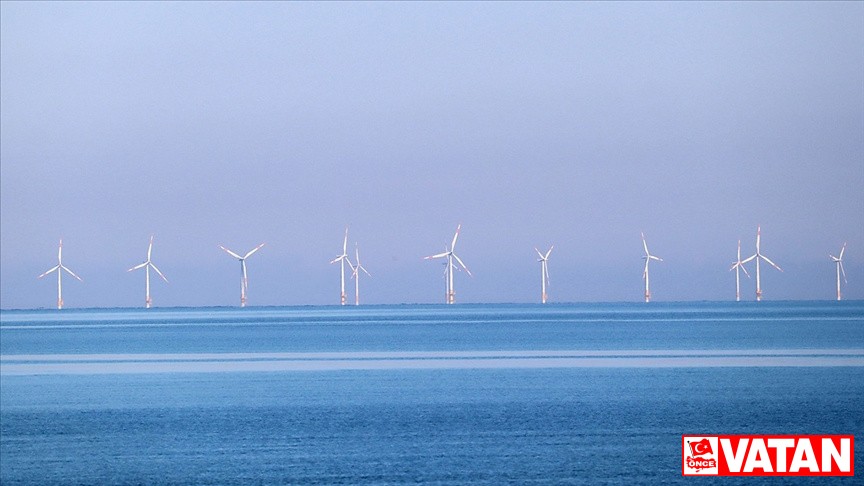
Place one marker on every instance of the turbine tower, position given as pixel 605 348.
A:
pixel 544 272
pixel 244 280
pixel 738 265
pixel 355 274
pixel 146 266
pixel 60 267
pixel 648 257
pixel 839 262
pixel 342 259
pixel 757 256
pixel 450 255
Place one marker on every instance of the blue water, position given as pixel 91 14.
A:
pixel 405 394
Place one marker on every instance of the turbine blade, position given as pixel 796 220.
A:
pixel 136 267
pixel 231 253
pixel 772 263
pixel 745 271
pixel 453 245
pixel 345 242
pixel 463 265
pixel 538 253
pixel 645 245
pixel 71 272
pixel 336 260
pixel 439 255
pixel 60 252
pixel 748 259
pixel 549 252
pixel 157 271
pixel 655 258
pixel 841 251
pixel 253 251
pixel 150 248
pixel 843 272
pixel 758 237
pixel 49 271
pixel 364 270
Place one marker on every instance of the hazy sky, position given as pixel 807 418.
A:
pixel 573 124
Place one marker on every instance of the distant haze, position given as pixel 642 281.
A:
pixel 531 124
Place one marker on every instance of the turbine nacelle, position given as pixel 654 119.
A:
pixel 543 257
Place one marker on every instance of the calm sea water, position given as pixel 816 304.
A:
pixel 486 394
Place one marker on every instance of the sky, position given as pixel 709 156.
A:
pixel 577 125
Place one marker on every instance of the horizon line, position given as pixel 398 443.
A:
pixel 442 304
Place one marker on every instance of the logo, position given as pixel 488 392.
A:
pixel 699 456
pixel 768 455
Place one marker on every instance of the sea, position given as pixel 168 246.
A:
pixel 593 393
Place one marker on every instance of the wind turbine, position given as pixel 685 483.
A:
pixel 648 257
pixel 342 259
pixel 448 253
pixel 544 271
pixel 757 256
pixel 839 262
pixel 738 265
pixel 355 274
pixel 146 266
pixel 59 267
pixel 244 280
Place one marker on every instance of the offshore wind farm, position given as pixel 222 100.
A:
pixel 450 264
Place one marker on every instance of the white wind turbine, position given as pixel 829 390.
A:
pixel 146 266
pixel 342 259
pixel 757 256
pixel 839 262
pixel 244 280
pixel 648 257
pixel 738 265
pixel 58 269
pixel 544 271
pixel 450 255
pixel 355 274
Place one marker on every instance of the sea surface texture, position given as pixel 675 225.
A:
pixel 463 394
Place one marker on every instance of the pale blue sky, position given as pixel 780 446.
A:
pixel 574 124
